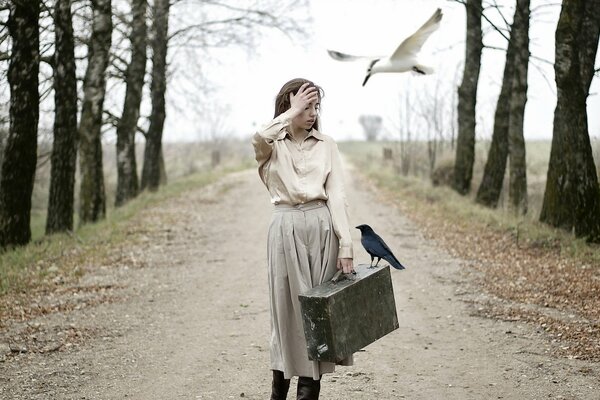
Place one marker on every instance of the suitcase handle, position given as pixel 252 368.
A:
pixel 339 275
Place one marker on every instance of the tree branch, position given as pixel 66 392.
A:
pixel 464 2
pixel 48 60
pixel 114 120
pixel 202 26
pixel 497 7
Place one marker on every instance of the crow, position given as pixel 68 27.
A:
pixel 376 247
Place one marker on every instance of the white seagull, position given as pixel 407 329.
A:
pixel 405 57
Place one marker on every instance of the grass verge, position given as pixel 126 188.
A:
pixel 30 268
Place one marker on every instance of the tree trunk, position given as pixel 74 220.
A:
pixel 3 136
pixel 127 179
pixel 162 167
pixel 151 170
pixel 92 197
pixel 517 190
pixel 467 99
pixel 572 195
pixel 18 165
pixel 64 148
pixel 490 188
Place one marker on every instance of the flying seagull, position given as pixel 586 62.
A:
pixel 404 58
pixel 376 247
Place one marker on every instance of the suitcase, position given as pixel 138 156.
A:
pixel 343 317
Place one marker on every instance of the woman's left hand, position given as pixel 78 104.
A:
pixel 346 264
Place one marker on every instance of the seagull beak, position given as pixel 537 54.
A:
pixel 366 79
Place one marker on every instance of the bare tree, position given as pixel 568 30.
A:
pixel 151 168
pixel 237 24
pixel 64 148
pixel 434 107
pixel 18 165
pixel 572 196
pixel 127 179
pixel 490 188
pixel 371 125
pixel 92 196
pixel 404 126
pixel 467 98
pixel 517 191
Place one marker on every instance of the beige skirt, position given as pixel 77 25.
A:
pixel 302 253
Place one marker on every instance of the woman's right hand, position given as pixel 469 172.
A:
pixel 303 98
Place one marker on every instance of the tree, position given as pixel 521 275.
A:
pixel 64 148
pixel 205 24
pixel 517 190
pixel 404 126
pixel 18 165
pixel 572 196
pixel 467 99
pixel 490 188
pixel 127 179
pixel 371 125
pixel 151 168
pixel 434 109
pixel 92 197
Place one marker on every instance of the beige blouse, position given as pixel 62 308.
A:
pixel 296 173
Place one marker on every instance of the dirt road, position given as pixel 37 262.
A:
pixel 192 321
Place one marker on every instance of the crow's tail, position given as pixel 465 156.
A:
pixel 394 261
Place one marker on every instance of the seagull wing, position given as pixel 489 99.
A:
pixel 336 55
pixel 412 44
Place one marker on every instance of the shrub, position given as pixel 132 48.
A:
pixel 443 173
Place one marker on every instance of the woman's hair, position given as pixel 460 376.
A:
pixel 282 101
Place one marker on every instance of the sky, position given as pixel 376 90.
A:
pixel 246 82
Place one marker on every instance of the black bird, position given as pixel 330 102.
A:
pixel 376 247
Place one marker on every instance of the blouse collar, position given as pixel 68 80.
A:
pixel 313 132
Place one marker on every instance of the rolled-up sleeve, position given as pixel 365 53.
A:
pixel 337 203
pixel 264 139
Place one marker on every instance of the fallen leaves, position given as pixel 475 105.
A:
pixel 532 280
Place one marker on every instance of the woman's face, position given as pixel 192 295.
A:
pixel 307 118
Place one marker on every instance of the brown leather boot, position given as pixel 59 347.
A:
pixel 308 388
pixel 280 387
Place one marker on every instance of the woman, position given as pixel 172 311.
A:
pixel 309 236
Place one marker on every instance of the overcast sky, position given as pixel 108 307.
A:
pixel 247 82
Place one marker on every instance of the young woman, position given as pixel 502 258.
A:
pixel 309 236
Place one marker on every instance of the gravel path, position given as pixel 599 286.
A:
pixel 189 318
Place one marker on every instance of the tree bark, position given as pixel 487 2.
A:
pixel 92 197
pixel 467 99
pixel 64 148
pixel 490 188
pixel 151 170
pixel 18 165
pixel 127 179
pixel 162 168
pixel 517 189
pixel 572 195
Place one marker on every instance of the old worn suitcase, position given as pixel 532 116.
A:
pixel 342 317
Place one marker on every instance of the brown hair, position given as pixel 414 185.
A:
pixel 282 101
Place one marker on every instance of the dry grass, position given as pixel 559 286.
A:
pixel 528 270
pixel 181 160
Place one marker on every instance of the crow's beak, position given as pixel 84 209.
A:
pixel 366 79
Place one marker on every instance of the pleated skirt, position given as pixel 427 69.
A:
pixel 302 252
